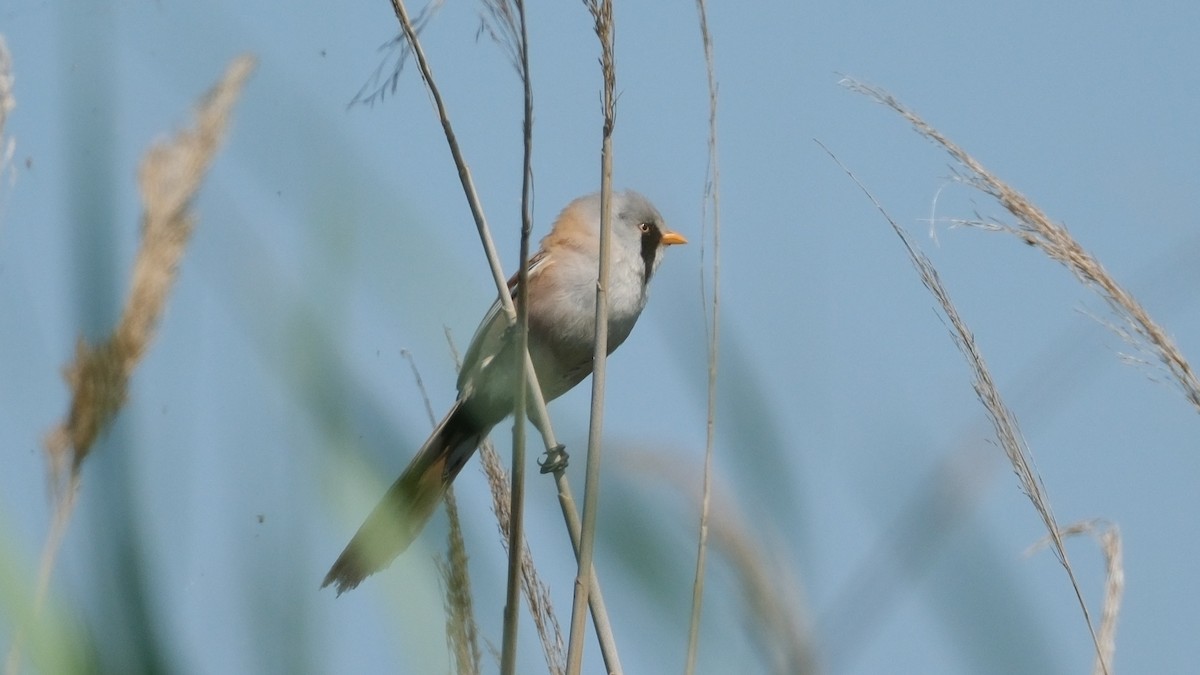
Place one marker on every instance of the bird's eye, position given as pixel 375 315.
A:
pixel 644 227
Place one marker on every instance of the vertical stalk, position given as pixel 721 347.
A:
pixel 516 530
pixel 602 13
pixel 713 193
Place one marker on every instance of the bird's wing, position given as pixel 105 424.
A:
pixel 489 336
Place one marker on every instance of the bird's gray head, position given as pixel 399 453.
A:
pixel 638 229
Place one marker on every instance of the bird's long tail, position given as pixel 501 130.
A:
pixel 409 503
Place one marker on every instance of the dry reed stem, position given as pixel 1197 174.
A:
pixel 169 177
pixel 712 194
pixel 64 506
pixel 460 162
pixel 1003 421
pixel 602 16
pixel 1036 229
pixel 540 416
pixel 462 633
pixel 1108 535
pixel 516 528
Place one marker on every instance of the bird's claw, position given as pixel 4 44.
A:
pixel 554 460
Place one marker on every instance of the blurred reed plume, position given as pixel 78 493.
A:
pixel 169 177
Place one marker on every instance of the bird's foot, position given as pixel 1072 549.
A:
pixel 554 460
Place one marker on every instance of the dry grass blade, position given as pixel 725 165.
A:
pixel 1108 535
pixel 1003 421
pixel 712 195
pixel 1036 229
pixel 169 178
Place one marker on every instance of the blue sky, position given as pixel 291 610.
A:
pixel 331 238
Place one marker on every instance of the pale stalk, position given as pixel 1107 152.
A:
pixel 713 192
pixel 516 528
pixel 602 13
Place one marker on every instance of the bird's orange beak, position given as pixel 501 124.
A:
pixel 669 238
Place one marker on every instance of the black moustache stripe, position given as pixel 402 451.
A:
pixel 651 240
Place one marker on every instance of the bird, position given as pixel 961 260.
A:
pixel 562 278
